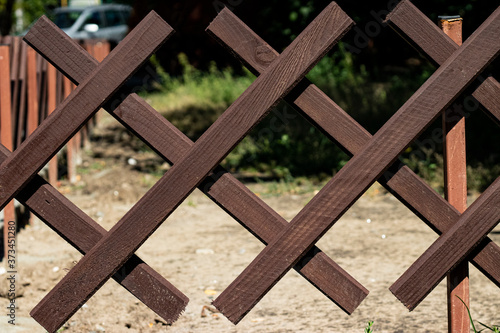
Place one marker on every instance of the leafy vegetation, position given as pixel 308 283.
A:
pixel 493 328
pixel 284 145
pixel 195 99
pixel 369 328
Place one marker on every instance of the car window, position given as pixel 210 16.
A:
pixel 126 15
pixel 66 19
pixel 93 18
pixel 113 18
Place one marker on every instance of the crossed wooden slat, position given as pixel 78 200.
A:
pixel 329 27
pixel 427 37
pixel 127 112
pixel 484 214
pixel 78 228
pixel 221 186
pixel 83 233
pixel 368 165
pixel 227 191
pixel 327 116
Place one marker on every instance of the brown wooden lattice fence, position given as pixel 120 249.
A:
pixel 463 237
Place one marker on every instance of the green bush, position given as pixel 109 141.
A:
pixel 284 145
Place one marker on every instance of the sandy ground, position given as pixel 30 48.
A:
pixel 201 250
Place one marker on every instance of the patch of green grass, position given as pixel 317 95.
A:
pixel 90 168
pixel 299 185
pixel 368 328
pixel 194 100
pixel 284 145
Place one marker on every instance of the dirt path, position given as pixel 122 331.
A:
pixel 200 249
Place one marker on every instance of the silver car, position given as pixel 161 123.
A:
pixel 94 22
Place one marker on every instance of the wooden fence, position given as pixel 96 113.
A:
pixel 35 89
pixel 463 236
pixel 30 90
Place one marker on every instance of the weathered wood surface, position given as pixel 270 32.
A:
pixel 147 215
pixel 455 189
pixel 227 192
pixel 409 21
pixel 361 171
pixel 82 232
pixel 73 112
pixel 488 93
pixel 335 123
pixel 449 249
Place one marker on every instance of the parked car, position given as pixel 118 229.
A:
pixel 94 22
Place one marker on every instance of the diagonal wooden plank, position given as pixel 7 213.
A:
pixel 361 171
pixel 421 32
pixel 74 112
pixel 488 94
pixel 450 248
pixel 243 205
pixel 78 229
pixel 151 210
pixel 327 116
pixel 227 192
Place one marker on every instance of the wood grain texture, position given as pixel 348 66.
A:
pixel 109 254
pixel 82 232
pixel 421 32
pixel 221 186
pixel 455 189
pixel 336 124
pixel 74 112
pixel 238 201
pixel 361 171
pixel 488 94
pixel 450 248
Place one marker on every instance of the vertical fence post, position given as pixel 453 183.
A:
pixel 21 107
pixel 32 92
pixel 71 152
pixel 455 175
pixel 6 136
pixel 51 105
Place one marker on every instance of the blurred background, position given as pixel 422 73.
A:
pixel 370 74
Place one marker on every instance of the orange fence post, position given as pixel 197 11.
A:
pixel 455 175
pixel 32 92
pixel 6 137
pixel 51 105
pixel 71 149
